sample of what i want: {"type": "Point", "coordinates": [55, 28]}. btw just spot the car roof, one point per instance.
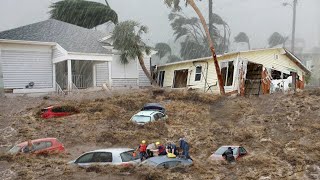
{"type": "Point", "coordinates": [153, 105]}
{"type": "Point", "coordinates": [146, 113]}
{"type": "Point", "coordinates": [232, 146]}
{"type": "Point", "coordinates": [36, 140]}
{"type": "Point", "coordinates": [161, 159]}
{"type": "Point", "coordinates": [115, 150]}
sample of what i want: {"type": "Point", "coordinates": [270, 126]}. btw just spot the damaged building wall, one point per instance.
{"type": "Point", "coordinates": [197, 73]}
{"type": "Point", "coordinates": [236, 65]}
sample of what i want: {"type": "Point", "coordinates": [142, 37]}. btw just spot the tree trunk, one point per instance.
{"type": "Point", "coordinates": [145, 70]}
{"type": "Point", "coordinates": [214, 55]}
{"type": "Point", "coordinates": [249, 45]}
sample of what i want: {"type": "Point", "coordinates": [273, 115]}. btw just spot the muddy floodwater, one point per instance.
{"type": "Point", "coordinates": [281, 133]}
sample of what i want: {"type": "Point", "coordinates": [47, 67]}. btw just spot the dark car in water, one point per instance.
{"type": "Point", "coordinates": [166, 162]}
{"type": "Point", "coordinates": [154, 107]}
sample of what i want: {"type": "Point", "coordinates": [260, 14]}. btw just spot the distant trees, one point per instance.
{"type": "Point", "coordinates": [175, 4]}
{"type": "Point", "coordinates": [276, 39]}
{"type": "Point", "coordinates": [127, 38]}
{"type": "Point", "coordinates": [242, 37]}
{"type": "Point", "coordinates": [173, 58]}
{"type": "Point", "coordinates": [83, 13]}
{"type": "Point", "coordinates": [162, 49]}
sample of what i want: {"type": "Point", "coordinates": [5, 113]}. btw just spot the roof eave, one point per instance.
{"type": "Point", "coordinates": [27, 42]}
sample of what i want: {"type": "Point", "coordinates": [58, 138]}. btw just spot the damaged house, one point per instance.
{"type": "Point", "coordinates": [252, 72]}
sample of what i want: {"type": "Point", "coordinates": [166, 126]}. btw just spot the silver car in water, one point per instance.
{"type": "Point", "coordinates": [110, 156]}
{"type": "Point", "coordinates": [144, 117]}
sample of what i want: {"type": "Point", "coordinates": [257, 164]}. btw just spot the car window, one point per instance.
{"type": "Point", "coordinates": [15, 149]}
{"type": "Point", "coordinates": [42, 145]}
{"type": "Point", "coordinates": [156, 116]}
{"type": "Point", "coordinates": [221, 150]}
{"type": "Point", "coordinates": [242, 151]}
{"type": "Point", "coordinates": [44, 110]}
{"type": "Point", "coordinates": [102, 157]}
{"type": "Point", "coordinates": [169, 164]}
{"type": "Point", "coordinates": [86, 158]}
{"type": "Point", "coordinates": [128, 156]}
{"type": "Point", "coordinates": [138, 118]}
{"type": "Point", "coordinates": [161, 115]}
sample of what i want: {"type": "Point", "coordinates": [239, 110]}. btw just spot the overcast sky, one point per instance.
{"type": "Point", "coordinates": [258, 18]}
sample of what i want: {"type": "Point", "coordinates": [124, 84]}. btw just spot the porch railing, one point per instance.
{"type": "Point", "coordinates": [59, 89]}
{"type": "Point", "coordinates": [79, 81]}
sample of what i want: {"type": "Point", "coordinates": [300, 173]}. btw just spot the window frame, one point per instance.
{"type": "Point", "coordinates": [197, 74]}
{"type": "Point", "coordinates": [77, 161]}
{"type": "Point", "coordinates": [96, 155]}
{"type": "Point", "coordinates": [227, 72]}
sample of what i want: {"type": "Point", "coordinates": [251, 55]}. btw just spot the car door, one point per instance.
{"type": "Point", "coordinates": [85, 159]}
{"type": "Point", "coordinates": [102, 158]}
{"type": "Point", "coordinates": [169, 164]}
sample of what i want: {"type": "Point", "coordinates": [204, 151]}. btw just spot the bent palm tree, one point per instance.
{"type": "Point", "coordinates": [83, 13]}
{"type": "Point", "coordinates": [163, 49]}
{"type": "Point", "coordinates": [276, 39]}
{"type": "Point", "coordinates": [242, 37]}
{"type": "Point", "coordinates": [127, 39]}
{"type": "Point", "coordinates": [176, 5]}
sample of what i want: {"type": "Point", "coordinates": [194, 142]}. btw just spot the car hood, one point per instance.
{"type": "Point", "coordinates": [216, 157]}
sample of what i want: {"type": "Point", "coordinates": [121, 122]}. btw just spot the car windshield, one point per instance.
{"type": "Point", "coordinates": [15, 149]}
{"type": "Point", "coordinates": [221, 150]}
{"type": "Point", "coordinates": [128, 156]}
{"type": "Point", "coordinates": [139, 118]}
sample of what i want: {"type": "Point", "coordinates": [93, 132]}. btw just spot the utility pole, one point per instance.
{"type": "Point", "coordinates": [294, 25]}
{"type": "Point", "coordinates": [294, 7]}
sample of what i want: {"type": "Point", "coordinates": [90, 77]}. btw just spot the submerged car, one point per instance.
{"type": "Point", "coordinates": [40, 146]}
{"type": "Point", "coordinates": [57, 111]}
{"type": "Point", "coordinates": [165, 162]}
{"type": "Point", "coordinates": [238, 152]}
{"type": "Point", "coordinates": [154, 107]}
{"type": "Point", "coordinates": [111, 156]}
{"type": "Point", "coordinates": [144, 117]}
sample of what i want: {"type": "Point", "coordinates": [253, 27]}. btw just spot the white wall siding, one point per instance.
{"type": "Point", "coordinates": [143, 79]}
{"type": "Point", "coordinates": [21, 67]}
{"type": "Point", "coordinates": [125, 82]}
{"type": "Point", "coordinates": [57, 53]}
{"type": "Point", "coordinates": [102, 74]}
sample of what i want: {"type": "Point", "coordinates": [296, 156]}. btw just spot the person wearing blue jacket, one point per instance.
{"type": "Point", "coordinates": [185, 148]}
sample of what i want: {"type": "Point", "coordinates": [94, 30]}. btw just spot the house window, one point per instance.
{"type": "Point", "coordinates": [198, 73]}
{"type": "Point", "coordinates": [227, 69]}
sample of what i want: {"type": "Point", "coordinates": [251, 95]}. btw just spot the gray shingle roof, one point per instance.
{"type": "Point", "coordinates": [71, 37]}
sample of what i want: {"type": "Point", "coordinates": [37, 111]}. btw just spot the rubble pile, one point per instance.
{"type": "Point", "coordinates": [280, 132]}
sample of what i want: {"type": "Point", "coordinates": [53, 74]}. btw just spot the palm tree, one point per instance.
{"type": "Point", "coordinates": [83, 13]}
{"type": "Point", "coordinates": [127, 39]}
{"type": "Point", "coordinates": [276, 39]}
{"type": "Point", "coordinates": [176, 5]}
{"type": "Point", "coordinates": [163, 49]}
{"type": "Point", "coordinates": [216, 19]}
{"type": "Point", "coordinates": [242, 37]}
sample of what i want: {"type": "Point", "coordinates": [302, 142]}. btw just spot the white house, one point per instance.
{"type": "Point", "coordinates": [52, 55]}
{"type": "Point", "coordinates": [254, 72]}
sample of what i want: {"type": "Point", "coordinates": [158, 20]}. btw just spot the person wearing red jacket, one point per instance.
{"type": "Point", "coordinates": [143, 150]}
{"type": "Point", "coordinates": [161, 149]}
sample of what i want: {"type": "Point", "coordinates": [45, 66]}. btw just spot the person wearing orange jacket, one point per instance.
{"type": "Point", "coordinates": [142, 150]}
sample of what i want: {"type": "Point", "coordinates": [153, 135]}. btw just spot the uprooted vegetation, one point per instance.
{"type": "Point", "coordinates": [281, 133]}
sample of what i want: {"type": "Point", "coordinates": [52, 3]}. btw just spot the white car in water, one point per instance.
{"type": "Point", "coordinates": [144, 117]}
{"type": "Point", "coordinates": [110, 156]}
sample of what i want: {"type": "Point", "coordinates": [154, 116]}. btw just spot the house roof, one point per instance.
{"type": "Point", "coordinates": [290, 55]}
{"type": "Point", "coordinates": [71, 37]}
